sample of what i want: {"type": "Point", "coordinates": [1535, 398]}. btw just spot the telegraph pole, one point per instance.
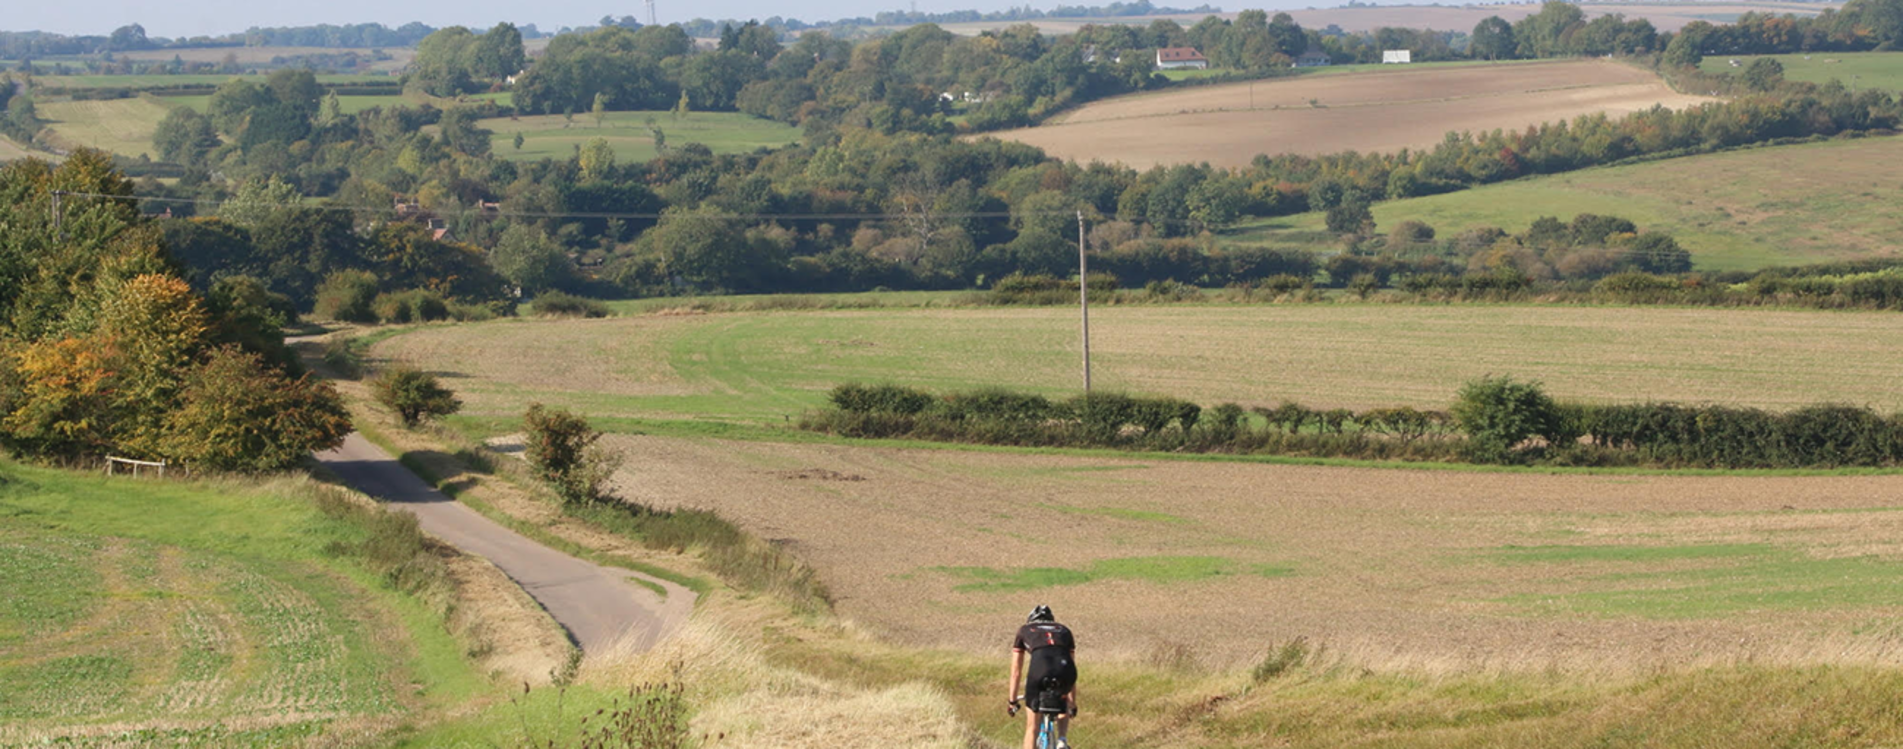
{"type": "Point", "coordinates": [56, 196]}
{"type": "Point", "coordinates": [1083, 296]}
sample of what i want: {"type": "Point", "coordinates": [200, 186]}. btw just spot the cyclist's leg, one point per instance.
{"type": "Point", "coordinates": [1030, 726]}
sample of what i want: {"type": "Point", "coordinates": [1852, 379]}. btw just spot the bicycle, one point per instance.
{"type": "Point", "coordinates": [1049, 705]}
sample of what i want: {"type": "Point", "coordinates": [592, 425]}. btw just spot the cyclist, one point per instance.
{"type": "Point", "coordinates": [1051, 648]}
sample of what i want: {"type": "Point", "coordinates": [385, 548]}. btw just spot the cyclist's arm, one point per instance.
{"type": "Point", "coordinates": [1017, 674]}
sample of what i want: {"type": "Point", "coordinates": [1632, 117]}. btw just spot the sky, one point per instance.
{"type": "Point", "coordinates": [215, 17]}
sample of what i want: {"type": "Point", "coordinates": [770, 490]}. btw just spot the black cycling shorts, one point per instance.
{"type": "Point", "coordinates": [1053, 663]}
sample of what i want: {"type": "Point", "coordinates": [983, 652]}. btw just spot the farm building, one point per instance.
{"type": "Point", "coordinates": [1313, 58]}
{"type": "Point", "coordinates": [1396, 56]}
{"type": "Point", "coordinates": [1181, 58]}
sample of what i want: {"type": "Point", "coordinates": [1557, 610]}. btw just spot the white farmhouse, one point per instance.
{"type": "Point", "coordinates": [1181, 58]}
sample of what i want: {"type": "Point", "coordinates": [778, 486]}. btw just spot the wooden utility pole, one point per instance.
{"type": "Point", "coordinates": [1083, 296]}
{"type": "Point", "coordinates": [56, 195]}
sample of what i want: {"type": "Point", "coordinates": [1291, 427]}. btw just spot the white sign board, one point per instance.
{"type": "Point", "coordinates": [1396, 56]}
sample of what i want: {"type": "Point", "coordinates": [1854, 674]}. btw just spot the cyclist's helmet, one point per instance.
{"type": "Point", "coordinates": [1040, 614]}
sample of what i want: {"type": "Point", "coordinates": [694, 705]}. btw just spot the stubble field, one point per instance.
{"type": "Point", "coordinates": [765, 366]}
{"type": "Point", "coordinates": [1215, 563]}
{"type": "Point", "coordinates": [1664, 16]}
{"type": "Point", "coordinates": [1385, 110]}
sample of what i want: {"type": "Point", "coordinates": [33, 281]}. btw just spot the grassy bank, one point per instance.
{"type": "Point", "coordinates": [223, 611]}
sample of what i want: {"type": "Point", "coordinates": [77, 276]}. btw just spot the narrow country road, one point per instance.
{"type": "Point", "coordinates": [597, 605]}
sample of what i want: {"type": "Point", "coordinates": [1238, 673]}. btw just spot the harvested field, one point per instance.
{"type": "Point", "coordinates": [1392, 568]}
{"type": "Point", "coordinates": [1381, 111]}
{"type": "Point", "coordinates": [765, 365]}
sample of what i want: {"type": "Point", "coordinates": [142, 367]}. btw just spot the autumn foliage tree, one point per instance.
{"type": "Point", "coordinates": [104, 349]}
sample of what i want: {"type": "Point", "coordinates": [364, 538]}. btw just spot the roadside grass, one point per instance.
{"type": "Point", "coordinates": [768, 368]}
{"type": "Point", "coordinates": [1744, 209]}
{"type": "Point", "coordinates": [1861, 70]}
{"type": "Point", "coordinates": [183, 605]}
{"type": "Point", "coordinates": [556, 137]}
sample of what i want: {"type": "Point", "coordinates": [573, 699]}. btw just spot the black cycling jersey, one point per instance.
{"type": "Point", "coordinates": [1039, 635]}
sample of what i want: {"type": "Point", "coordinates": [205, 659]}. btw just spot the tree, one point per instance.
{"type": "Point", "coordinates": [596, 158]}
{"type": "Point", "coordinates": [527, 258]}
{"type": "Point", "coordinates": [1764, 74]}
{"type": "Point", "coordinates": [238, 413]}
{"type": "Point", "coordinates": [346, 296]}
{"type": "Point", "coordinates": [519, 140]}
{"type": "Point", "coordinates": [414, 395]}
{"type": "Point", "coordinates": [1492, 39]}
{"type": "Point", "coordinates": [232, 103]}
{"type": "Point", "coordinates": [1654, 252]}
{"type": "Point", "coordinates": [184, 137]}
{"type": "Point", "coordinates": [1351, 217]}
{"type": "Point", "coordinates": [255, 201]}
{"type": "Point", "coordinates": [1499, 413]}
{"type": "Point", "coordinates": [600, 108]}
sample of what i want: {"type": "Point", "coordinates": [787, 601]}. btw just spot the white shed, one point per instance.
{"type": "Point", "coordinates": [1396, 56]}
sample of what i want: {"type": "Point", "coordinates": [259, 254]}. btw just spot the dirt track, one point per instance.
{"type": "Point", "coordinates": [1377, 111]}
{"type": "Point", "coordinates": [1389, 566]}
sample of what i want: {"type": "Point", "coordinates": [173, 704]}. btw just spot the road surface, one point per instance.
{"type": "Point", "coordinates": [597, 605]}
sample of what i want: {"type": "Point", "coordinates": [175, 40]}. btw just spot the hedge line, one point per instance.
{"type": "Point", "coordinates": [1493, 420]}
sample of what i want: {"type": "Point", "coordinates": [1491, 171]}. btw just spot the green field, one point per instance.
{"type": "Point", "coordinates": [162, 81]}
{"type": "Point", "coordinates": [1782, 205]}
{"type": "Point", "coordinates": [1859, 70]}
{"type": "Point", "coordinates": [555, 137]}
{"type": "Point", "coordinates": [122, 126]}
{"type": "Point", "coordinates": [201, 612]}
{"type": "Point", "coordinates": [765, 366]}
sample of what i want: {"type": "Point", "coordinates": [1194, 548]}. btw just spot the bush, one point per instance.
{"type": "Point", "coordinates": [997, 403]}
{"type": "Point", "coordinates": [414, 305]}
{"type": "Point", "coordinates": [239, 413]}
{"type": "Point", "coordinates": [346, 296]}
{"type": "Point", "coordinates": [562, 304]}
{"type": "Point", "coordinates": [414, 395]}
{"type": "Point", "coordinates": [1498, 414]}
{"type": "Point", "coordinates": [888, 399]}
{"type": "Point", "coordinates": [562, 448]}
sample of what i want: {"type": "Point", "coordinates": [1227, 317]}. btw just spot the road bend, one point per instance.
{"type": "Point", "coordinates": [599, 606]}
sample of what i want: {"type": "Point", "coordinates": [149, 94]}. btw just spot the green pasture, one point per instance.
{"type": "Point", "coordinates": [1860, 70]}
{"type": "Point", "coordinates": [195, 606]}
{"type": "Point", "coordinates": [122, 126]}
{"type": "Point", "coordinates": [557, 137]}
{"type": "Point", "coordinates": [772, 366]}
{"type": "Point", "coordinates": [1781, 205]}
{"type": "Point", "coordinates": [162, 81]}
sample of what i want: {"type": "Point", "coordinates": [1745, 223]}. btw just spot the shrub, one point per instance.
{"type": "Point", "coordinates": [414, 305]}
{"type": "Point", "coordinates": [889, 399]}
{"type": "Point", "coordinates": [997, 403]}
{"type": "Point", "coordinates": [346, 296]}
{"type": "Point", "coordinates": [1280, 660]}
{"type": "Point", "coordinates": [1498, 414]}
{"type": "Point", "coordinates": [563, 304]}
{"type": "Point", "coordinates": [562, 448]}
{"type": "Point", "coordinates": [414, 395]}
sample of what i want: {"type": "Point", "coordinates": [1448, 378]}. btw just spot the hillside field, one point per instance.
{"type": "Point", "coordinates": [156, 81]}
{"type": "Point", "coordinates": [1377, 110]}
{"type": "Point", "coordinates": [1859, 69]}
{"type": "Point", "coordinates": [769, 366]}
{"type": "Point", "coordinates": [122, 126]}
{"type": "Point", "coordinates": [557, 137]}
{"type": "Point", "coordinates": [204, 612]}
{"type": "Point", "coordinates": [1782, 205]}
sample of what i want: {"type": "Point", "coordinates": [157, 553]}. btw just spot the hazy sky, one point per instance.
{"type": "Point", "coordinates": [196, 17]}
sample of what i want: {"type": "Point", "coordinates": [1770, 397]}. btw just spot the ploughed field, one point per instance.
{"type": "Point", "coordinates": [1381, 110]}
{"type": "Point", "coordinates": [767, 366]}
{"type": "Point", "coordinates": [1160, 560]}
